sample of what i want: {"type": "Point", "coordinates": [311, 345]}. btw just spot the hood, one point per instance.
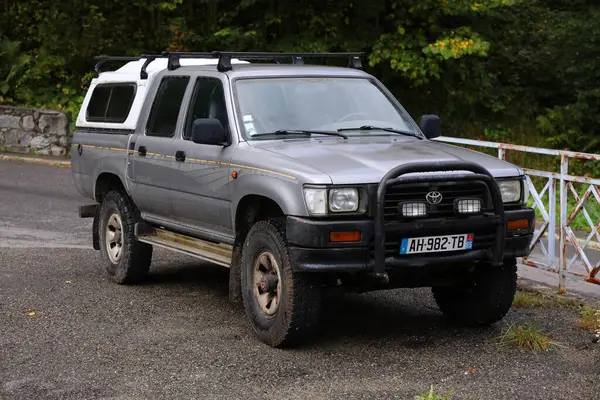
{"type": "Point", "coordinates": [367, 159]}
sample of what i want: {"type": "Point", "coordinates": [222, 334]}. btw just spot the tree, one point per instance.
{"type": "Point", "coordinates": [497, 68]}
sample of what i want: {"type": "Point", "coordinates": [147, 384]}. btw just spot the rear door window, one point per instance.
{"type": "Point", "coordinates": [167, 103]}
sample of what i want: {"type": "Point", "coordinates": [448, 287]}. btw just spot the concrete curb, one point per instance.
{"type": "Point", "coordinates": [36, 160]}
{"type": "Point", "coordinates": [542, 280]}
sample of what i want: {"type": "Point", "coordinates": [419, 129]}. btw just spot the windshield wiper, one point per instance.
{"type": "Point", "coordinates": [378, 128]}
{"type": "Point", "coordinates": [299, 132]}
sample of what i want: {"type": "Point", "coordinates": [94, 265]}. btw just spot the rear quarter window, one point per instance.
{"type": "Point", "coordinates": [111, 102]}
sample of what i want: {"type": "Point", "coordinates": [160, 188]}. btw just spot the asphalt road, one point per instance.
{"type": "Point", "coordinates": [66, 332]}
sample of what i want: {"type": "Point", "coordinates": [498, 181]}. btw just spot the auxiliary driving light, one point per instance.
{"type": "Point", "coordinates": [468, 206]}
{"type": "Point", "coordinates": [414, 209]}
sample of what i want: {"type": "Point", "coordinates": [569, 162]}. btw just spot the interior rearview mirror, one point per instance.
{"type": "Point", "coordinates": [430, 125]}
{"type": "Point", "coordinates": [209, 131]}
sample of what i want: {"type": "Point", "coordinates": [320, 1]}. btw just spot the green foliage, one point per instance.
{"type": "Point", "coordinates": [527, 337]}
{"type": "Point", "coordinates": [12, 64]}
{"type": "Point", "coordinates": [488, 67]}
{"type": "Point", "coordinates": [530, 298]}
{"type": "Point", "coordinates": [589, 318]}
{"type": "Point", "coordinates": [431, 395]}
{"type": "Point", "coordinates": [580, 222]}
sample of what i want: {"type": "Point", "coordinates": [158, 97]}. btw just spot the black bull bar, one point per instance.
{"type": "Point", "coordinates": [477, 173]}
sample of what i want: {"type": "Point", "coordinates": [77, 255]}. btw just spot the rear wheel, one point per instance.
{"type": "Point", "coordinates": [282, 305]}
{"type": "Point", "coordinates": [126, 260]}
{"type": "Point", "coordinates": [483, 298]}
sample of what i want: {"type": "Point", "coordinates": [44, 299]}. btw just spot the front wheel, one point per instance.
{"type": "Point", "coordinates": [483, 298]}
{"type": "Point", "coordinates": [282, 305]}
{"type": "Point", "coordinates": [126, 260]}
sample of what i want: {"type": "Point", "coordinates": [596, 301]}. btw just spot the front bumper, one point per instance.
{"type": "Point", "coordinates": [311, 250]}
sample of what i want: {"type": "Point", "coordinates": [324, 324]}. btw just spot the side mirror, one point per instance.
{"type": "Point", "coordinates": [430, 125]}
{"type": "Point", "coordinates": [209, 131]}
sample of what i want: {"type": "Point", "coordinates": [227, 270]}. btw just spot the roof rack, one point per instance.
{"type": "Point", "coordinates": [354, 59]}
{"type": "Point", "coordinates": [225, 57]}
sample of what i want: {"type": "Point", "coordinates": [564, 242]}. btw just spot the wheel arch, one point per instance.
{"type": "Point", "coordinates": [248, 210]}
{"type": "Point", "coordinates": [252, 208]}
{"type": "Point", "coordinates": [287, 195]}
{"type": "Point", "coordinates": [105, 182]}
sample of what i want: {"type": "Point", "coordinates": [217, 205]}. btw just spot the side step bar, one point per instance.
{"type": "Point", "coordinates": [216, 253]}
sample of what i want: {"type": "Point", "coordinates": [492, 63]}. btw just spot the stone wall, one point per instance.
{"type": "Point", "coordinates": [34, 131]}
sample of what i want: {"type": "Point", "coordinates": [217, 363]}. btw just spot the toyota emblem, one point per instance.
{"type": "Point", "coordinates": [433, 197]}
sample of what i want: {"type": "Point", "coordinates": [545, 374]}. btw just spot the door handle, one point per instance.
{"type": "Point", "coordinates": [180, 155]}
{"type": "Point", "coordinates": [142, 151]}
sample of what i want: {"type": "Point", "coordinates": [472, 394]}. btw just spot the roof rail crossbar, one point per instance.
{"type": "Point", "coordinates": [354, 59]}
{"type": "Point", "coordinates": [104, 59]}
{"type": "Point", "coordinates": [174, 57]}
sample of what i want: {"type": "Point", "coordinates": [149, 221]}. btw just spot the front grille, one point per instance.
{"type": "Point", "coordinates": [417, 192]}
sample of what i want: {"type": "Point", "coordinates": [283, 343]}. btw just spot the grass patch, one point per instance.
{"type": "Point", "coordinates": [589, 318]}
{"type": "Point", "coordinates": [530, 299]}
{"type": "Point", "coordinates": [431, 395]}
{"type": "Point", "coordinates": [526, 337]}
{"type": "Point", "coordinates": [527, 299]}
{"type": "Point", "coordinates": [593, 209]}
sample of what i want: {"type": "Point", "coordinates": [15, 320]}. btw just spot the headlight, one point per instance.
{"type": "Point", "coordinates": [510, 190]}
{"type": "Point", "coordinates": [320, 201]}
{"type": "Point", "coordinates": [316, 201]}
{"type": "Point", "coordinates": [343, 200]}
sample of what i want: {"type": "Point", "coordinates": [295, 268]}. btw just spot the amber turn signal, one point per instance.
{"type": "Point", "coordinates": [344, 236]}
{"type": "Point", "coordinates": [518, 224]}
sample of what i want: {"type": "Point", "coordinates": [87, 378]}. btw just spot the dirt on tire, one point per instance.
{"type": "Point", "coordinates": [136, 257]}
{"type": "Point", "coordinates": [298, 311]}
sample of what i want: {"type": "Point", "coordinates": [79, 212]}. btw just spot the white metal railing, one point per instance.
{"type": "Point", "coordinates": [577, 260]}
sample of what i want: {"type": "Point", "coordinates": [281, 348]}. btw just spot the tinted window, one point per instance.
{"type": "Point", "coordinates": [208, 101]}
{"type": "Point", "coordinates": [97, 106]}
{"type": "Point", "coordinates": [111, 103]}
{"type": "Point", "coordinates": [120, 103]}
{"type": "Point", "coordinates": [165, 109]}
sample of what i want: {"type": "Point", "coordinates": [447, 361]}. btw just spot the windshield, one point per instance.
{"type": "Point", "coordinates": [317, 104]}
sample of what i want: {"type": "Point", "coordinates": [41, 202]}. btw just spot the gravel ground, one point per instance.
{"type": "Point", "coordinates": [178, 336]}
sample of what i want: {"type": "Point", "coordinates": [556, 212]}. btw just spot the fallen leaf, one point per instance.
{"type": "Point", "coordinates": [31, 314]}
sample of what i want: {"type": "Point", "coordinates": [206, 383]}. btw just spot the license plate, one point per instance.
{"type": "Point", "coordinates": [433, 244]}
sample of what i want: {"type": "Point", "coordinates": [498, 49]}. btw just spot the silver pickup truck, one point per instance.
{"type": "Point", "coordinates": [298, 178]}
